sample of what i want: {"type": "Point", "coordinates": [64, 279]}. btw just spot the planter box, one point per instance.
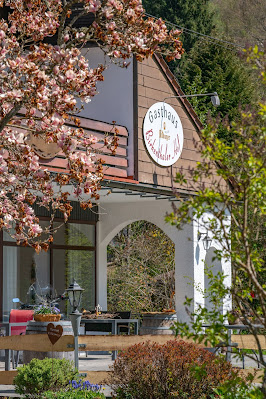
{"type": "Point", "coordinates": [157, 323]}
{"type": "Point", "coordinates": [47, 317]}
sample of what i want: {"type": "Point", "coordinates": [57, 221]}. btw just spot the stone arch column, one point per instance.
{"type": "Point", "coordinates": [204, 258]}
{"type": "Point", "coordinates": [218, 266]}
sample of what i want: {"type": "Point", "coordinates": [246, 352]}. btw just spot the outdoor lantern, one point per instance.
{"type": "Point", "coordinates": [74, 292]}
{"type": "Point", "coordinates": [207, 242]}
{"type": "Point", "coordinates": [214, 97]}
{"type": "Point", "coordinates": [215, 100]}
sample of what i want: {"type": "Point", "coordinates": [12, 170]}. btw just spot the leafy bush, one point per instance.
{"type": "Point", "coordinates": [43, 375]}
{"type": "Point", "coordinates": [242, 393]}
{"type": "Point", "coordinates": [73, 395]}
{"type": "Point", "coordinates": [174, 370]}
{"type": "Point", "coordinates": [238, 389]}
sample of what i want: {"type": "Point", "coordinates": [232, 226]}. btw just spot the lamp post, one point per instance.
{"type": "Point", "coordinates": [74, 292]}
{"type": "Point", "coordinates": [214, 97]}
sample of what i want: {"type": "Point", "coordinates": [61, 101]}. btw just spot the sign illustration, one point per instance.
{"type": "Point", "coordinates": [54, 332]}
{"type": "Point", "coordinates": [163, 134]}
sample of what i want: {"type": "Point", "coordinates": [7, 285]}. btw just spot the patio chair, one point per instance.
{"type": "Point", "coordinates": [19, 316]}
{"type": "Point", "coordinates": [123, 327]}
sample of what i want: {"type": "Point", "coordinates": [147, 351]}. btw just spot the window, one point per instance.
{"type": "Point", "coordinates": [29, 276]}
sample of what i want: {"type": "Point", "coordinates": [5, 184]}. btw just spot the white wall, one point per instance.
{"type": "Point", "coordinates": [205, 259]}
{"type": "Point", "coordinates": [118, 215]}
{"type": "Point", "coordinates": [190, 254]}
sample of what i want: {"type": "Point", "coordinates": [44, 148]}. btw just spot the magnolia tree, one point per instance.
{"type": "Point", "coordinates": [41, 84]}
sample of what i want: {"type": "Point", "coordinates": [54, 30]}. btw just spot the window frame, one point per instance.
{"type": "Point", "coordinates": [52, 246]}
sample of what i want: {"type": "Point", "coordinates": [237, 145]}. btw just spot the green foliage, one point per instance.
{"type": "Point", "coordinates": [242, 21]}
{"type": "Point", "coordinates": [73, 394]}
{"type": "Point", "coordinates": [46, 309]}
{"type": "Point", "coordinates": [210, 316]}
{"type": "Point", "coordinates": [42, 375]}
{"type": "Point", "coordinates": [240, 390]}
{"type": "Point", "coordinates": [174, 370]}
{"type": "Point", "coordinates": [210, 67]}
{"type": "Point", "coordinates": [257, 59]}
{"type": "Point", "coordinates": [140, 269]}
{"type": "Point", "coordinates": [194, 15]}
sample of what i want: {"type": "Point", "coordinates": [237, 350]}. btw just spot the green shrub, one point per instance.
{"type": "Point", "coordinates": [238, 389]}
{"type": "Point", "coordinates": [73, 395]}
{"type": "Point", "coordinates": [43, 375]}
{"type": "Point", "coordinates": [174, 370]}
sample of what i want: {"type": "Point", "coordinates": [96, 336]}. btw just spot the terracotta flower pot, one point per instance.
{"type": "Point", "coordinates": [47, 317]}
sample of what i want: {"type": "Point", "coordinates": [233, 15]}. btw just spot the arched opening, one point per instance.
{"type": "Point", "coordinates": [140, 269]}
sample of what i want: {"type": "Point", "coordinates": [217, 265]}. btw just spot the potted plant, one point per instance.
{"type": "Point", "coordinates": [45, 312]}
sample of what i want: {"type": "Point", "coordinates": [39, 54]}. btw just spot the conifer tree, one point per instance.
{"type": "Point", "coordinates": [193, 15]}
{"type": "Point", "coordinates": [208, 65]}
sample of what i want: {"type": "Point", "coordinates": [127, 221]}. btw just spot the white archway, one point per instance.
{"type": "Point", "coordinates": [118, 215]}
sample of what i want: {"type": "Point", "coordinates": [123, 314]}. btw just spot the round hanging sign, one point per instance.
{"type": "Point", "coordinates": [163, 134]}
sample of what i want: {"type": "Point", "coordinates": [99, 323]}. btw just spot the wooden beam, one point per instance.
{"type": "Point", "coordinates": [97, 377]}
{"type": "Point", "coordinates": [6, 377]}
{"type": "Point", "coordinates": [100, 377]}
{"type": "Point", "coordinates": [103, 377]}
{"type": "Point", "coordinates": [36, 343]}
{"type": "Point", "coordinates": [121, 342]}
{"type": "Point", "coordinates": [248, 341]}
{"type": "Point", "coordinates": [258, 373]}
{"type": "Point", "coordinates": [101, 126]}
{"type": "Point", "coordinates": [41, 342]}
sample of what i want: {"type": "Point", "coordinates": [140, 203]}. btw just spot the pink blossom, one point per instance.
{"type": "Point", "coordinates": [56, 70]}
{"type": "Point", "coordinates": [47, 80]}
{"type": "Point", "coordinates": [111, 25]}
{"type": "Point", "coordinates": [116, 54]}
{"type": "Point", "coordinates": [93, 5]}
{"type": "Point", "coordinates": [108, 12]}
{"type": "Point", "coordinates": [20, 197]}
{"type": "Point", "coordinates": [130, 13]}
{"type": "Point", "coordinates": [77, 191]}
{"type": "Point", "coordinates": [36, 229]}
{"type": "Point", "coordinates": [62, 79]}
{"type": "Point", "coordinates": [70, 74]}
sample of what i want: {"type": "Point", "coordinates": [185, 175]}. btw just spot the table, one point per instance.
{"type": "Point", "coordinates": [113, 322]}
{"type": "Point", "coordinates": [7, 327]}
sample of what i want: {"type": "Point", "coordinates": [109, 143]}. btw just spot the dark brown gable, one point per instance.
{"type": "Point", "coordinates": [155, 83]}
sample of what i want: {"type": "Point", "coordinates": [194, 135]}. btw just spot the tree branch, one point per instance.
{"type": "Point", "coordinates": [9, 116]}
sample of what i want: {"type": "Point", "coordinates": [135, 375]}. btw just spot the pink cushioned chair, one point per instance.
{"type": "Point", "coordinates": [19, 316]}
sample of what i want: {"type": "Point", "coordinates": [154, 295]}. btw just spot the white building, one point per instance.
{"type": "Point", "coordinates": [141, 188]}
